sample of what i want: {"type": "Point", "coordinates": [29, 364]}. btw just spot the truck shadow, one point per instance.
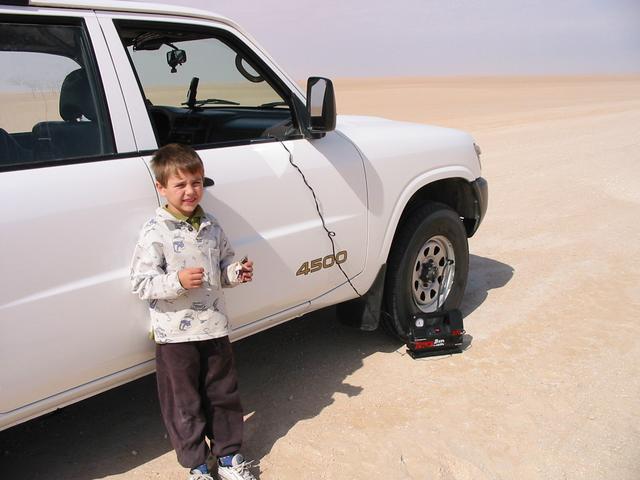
{"type": "Point", "coordinates": [287, 374]}
{"type": "Point", "coordinates": [484, 274]}
{"type": "Point", "coordinates": [293, 374]}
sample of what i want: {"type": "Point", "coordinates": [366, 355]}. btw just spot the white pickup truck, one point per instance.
{"type": "Point", "coordinates": [88, 91]}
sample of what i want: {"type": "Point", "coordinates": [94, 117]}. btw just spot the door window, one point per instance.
{"type": "Point", "coordinates": [202, 88]}
{"type": "Point", "coordinates": [51, 104]}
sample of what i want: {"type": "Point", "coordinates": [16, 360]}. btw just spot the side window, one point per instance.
{"type": "Point", "coordinates": [51, 106]}
{"type": "Point", "coordinates": [201, 88]}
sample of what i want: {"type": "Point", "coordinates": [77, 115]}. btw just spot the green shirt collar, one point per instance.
{"type": "Point", "coordinates": [194, 220]}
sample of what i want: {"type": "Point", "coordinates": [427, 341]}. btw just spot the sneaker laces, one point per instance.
{"type": "Point", "coordinates": [242, 469]}
{"type": "Point", "coordinates": [198, 475]}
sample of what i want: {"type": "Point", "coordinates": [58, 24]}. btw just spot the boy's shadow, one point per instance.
{"type": "Point", "coordinates": [287, 374]}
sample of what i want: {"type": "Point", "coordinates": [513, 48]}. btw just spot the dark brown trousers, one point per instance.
{"type": "Point", "coordinates": [198, 391]}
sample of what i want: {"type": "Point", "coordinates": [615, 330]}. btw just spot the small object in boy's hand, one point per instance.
{"type": "Point", "coordinates": [240, 269]}
{"type": "Point", "coordinates": [244, 270]}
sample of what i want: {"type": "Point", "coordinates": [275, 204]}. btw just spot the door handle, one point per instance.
{"type": "Point", "coordinates": [208, 182]}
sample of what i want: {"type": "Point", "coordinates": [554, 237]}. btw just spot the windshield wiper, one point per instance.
{"type": "Point", "coordinates": [279, 103]}
{"type": "Point", "coordinates": [210, 101]}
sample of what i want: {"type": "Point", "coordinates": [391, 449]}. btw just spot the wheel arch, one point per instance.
{"type": "Point", "coordinates": [456, 193]}
{"type": "Point", "coordinates": [453, 190]}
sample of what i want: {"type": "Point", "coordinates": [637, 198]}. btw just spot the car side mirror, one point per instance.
{"type": "Point", "coordinates": [176, 57]}
{"type": "Point", "coordinates": [321, 105]}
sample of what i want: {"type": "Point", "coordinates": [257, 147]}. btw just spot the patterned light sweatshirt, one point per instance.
{"type": "Point", "coordinates": [167, 245]}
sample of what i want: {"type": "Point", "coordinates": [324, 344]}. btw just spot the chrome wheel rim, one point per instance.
{"type": "Point", "coordinates": [433, 272]}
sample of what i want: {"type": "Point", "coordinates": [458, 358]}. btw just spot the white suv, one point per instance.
{"type": "Point", "coordinates": [89, 91]}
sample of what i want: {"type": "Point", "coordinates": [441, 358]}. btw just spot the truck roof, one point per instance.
{"type": "Point", "coordinates": [138, 7]}
{"type": "Point", "coordinates": [129, 6]}
{"type": "Point", "coordinates": [150, 8]}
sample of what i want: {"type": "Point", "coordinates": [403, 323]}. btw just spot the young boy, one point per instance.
{"type": "Point", "coordinates": [181, 261]}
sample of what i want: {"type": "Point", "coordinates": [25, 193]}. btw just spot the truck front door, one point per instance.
{"type": "Point", "coordinates": [227, 103]}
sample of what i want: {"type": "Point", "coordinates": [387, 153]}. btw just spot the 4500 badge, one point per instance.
{"type": "Point", "coordinates": [318, 264]}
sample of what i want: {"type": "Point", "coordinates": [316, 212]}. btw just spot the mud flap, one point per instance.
{"type": "Point", "coordinates": [364, 312]}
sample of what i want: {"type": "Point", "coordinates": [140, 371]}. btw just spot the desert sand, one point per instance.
{"type": "Point", "coordinates": [548, 386]}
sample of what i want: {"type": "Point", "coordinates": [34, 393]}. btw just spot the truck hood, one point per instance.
{"type": "Point", "coordinates": [382, 140]}
{"type": "Point", "coordinates": [355, 121]}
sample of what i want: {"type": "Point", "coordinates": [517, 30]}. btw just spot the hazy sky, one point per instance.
{"type": "Point", "coordinates": [445, 37]}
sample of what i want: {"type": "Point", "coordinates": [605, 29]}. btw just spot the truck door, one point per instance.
{"type": "Point", "coordinates": [73, 194]}
{"type": "Point", "coordinates": [227, 103]}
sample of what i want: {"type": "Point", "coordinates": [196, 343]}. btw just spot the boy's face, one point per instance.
{"type": "Point", "coordinates": [183, 191]}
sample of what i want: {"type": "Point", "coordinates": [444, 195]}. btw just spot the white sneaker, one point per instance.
{"type": "Point", "coordinates": [198, 475]}
{"type": "Point", "coordinates": [239, 469]}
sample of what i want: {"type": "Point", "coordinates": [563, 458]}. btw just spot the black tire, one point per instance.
{"type": "Point", "coordinates": [430, 225]}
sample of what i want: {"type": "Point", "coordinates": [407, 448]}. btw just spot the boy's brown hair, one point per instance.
{"type": "Point", "coordinates": [173, 158]}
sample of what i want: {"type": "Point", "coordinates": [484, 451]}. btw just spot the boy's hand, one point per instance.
{"type": "Point", "coordinates": [191, 278]}
{"type": "Point", "coordinates": [246, 274]}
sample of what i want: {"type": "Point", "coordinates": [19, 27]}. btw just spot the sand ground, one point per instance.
{"type": "Point", "coordinates": [549, 385]}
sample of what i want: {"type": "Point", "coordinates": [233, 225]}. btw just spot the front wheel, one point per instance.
{"type": "Point", "coordinates": [428, 266]}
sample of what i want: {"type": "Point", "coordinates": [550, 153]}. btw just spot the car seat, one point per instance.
{"type": "Point", "coordinates": [75, 136]}
{"type": "Point", "coordinates": [11, 152]}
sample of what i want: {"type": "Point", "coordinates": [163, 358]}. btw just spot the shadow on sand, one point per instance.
{"type": "Point", "coordinates": [484, 274]}
{"type": "Point", "coordinates": [287, 374]}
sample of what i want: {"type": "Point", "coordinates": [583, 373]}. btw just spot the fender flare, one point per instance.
{"type": "Point", "coordinates": [448, 172]}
